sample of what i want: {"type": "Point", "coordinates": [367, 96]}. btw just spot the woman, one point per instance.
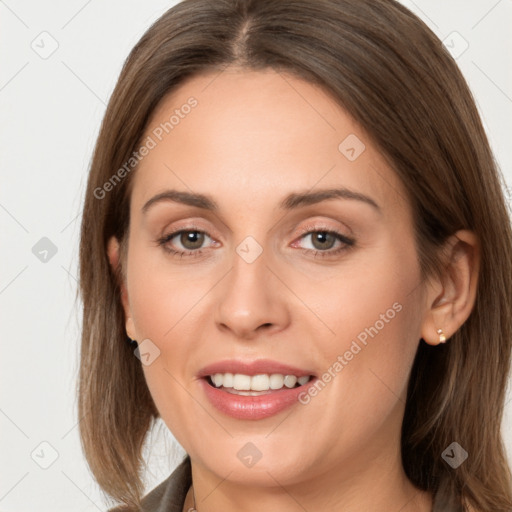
{"type": "Point", "coordinates": [295, 251]}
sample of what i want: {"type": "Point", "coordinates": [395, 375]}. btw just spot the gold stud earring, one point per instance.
{"type": "Point", "coordinates": [442, 337]}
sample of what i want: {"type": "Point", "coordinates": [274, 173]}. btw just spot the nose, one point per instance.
{"type": "Point", "coordinates": [252, 300]}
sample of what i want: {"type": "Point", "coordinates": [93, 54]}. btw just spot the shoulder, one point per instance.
{"type": "Point", "coordinates": [169, 495]}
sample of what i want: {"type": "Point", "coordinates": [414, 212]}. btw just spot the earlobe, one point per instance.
{"type": "Point", "coordinates": [439, 325]}
{"type": "Point", "coordinates": [451, 298]}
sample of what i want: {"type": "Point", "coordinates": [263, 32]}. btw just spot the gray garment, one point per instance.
{"type": "Point", "coordinates": [169, 496]}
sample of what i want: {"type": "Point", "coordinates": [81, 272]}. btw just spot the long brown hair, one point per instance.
{"type": "Point", "coordinates": [390, 72]}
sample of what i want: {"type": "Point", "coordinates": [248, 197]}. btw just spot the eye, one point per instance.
{"type": "Point", "coordinates": [323, 241]}
{"type": "Point", "coordinates": [190, 242]}
{"type": "Point", "coordinates": [185, 242]}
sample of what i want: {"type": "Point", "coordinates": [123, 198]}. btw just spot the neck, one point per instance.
{"type": "Point", "coordinates": [377, 489]}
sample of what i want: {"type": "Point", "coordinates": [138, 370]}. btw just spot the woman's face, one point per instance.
{"type": "Point", "coordinates": [274, 274]}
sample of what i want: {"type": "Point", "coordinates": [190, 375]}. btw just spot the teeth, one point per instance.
{"type": "Point", "coordinates": [290, 381]}
{"type": "Point", "coordinates": [227, 380]}
{"type": "Point", "coordinates": [261, 382]}
{"type": "Point", "coordinates": [241, 382]}
{"type": "Point", "coordinates": [276, 381]}
{"type": "Point", "coordinates": [217, 380]}
{"type": "Point", "coordinates": [303, 380]}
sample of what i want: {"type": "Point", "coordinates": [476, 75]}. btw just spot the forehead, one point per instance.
{"type": "Point", "coordinates": [263, 132]}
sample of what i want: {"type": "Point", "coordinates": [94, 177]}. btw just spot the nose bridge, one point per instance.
{"type": "Point", "coordinates": [249, 297]}
{"type": "Point", "coordinates": [250, 265]}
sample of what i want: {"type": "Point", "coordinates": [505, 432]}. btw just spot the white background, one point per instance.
{"type": "Point", "coordinates": [51, 110]}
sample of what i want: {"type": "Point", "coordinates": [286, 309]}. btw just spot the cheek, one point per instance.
{"type": "Point", "coordinates": [166, 307]}
{"type": "Point", "coordinates": [163, 312]}
{"type": "Point", "coordinates": [367, 354]}
{"type": "Point", "coordinates": [369, 320]}
{"type": "Point", "coordinates": [163, 294]}
{"type": "Point", "coordinates": [370, 300]}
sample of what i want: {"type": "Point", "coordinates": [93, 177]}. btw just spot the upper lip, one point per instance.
{"type": "Point", "coordinates": [255, 367]}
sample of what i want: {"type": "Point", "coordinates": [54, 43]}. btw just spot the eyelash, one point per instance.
{"type": "Point", "coordinates": [347, 241]}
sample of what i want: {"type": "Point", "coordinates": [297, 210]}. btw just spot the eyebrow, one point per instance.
{"type": "Point", "coordinates": [290, 202]}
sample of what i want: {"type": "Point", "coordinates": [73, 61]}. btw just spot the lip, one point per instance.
{"type": "Point", "coordinates": [255, 367]}
{"type": "Point", "coordinates": [253, 407]}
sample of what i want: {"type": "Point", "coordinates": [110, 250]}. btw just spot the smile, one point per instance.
{"type": "Point", "coordinates": [254, 396]}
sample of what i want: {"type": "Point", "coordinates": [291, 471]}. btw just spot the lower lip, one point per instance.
{"type": "Point", "coordinates": [254, 407]}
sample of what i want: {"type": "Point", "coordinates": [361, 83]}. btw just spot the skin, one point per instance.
{"type": "Point", "coordinates": [264, 135]}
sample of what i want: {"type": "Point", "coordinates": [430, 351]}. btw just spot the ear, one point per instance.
{"type": "Point", "coordinates": [114, 257]}
{"type": "Point", "coordinates": [450, 298]}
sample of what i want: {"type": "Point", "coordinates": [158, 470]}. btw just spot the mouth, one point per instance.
{"type": "Point", "coordinates": [254, 390]}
